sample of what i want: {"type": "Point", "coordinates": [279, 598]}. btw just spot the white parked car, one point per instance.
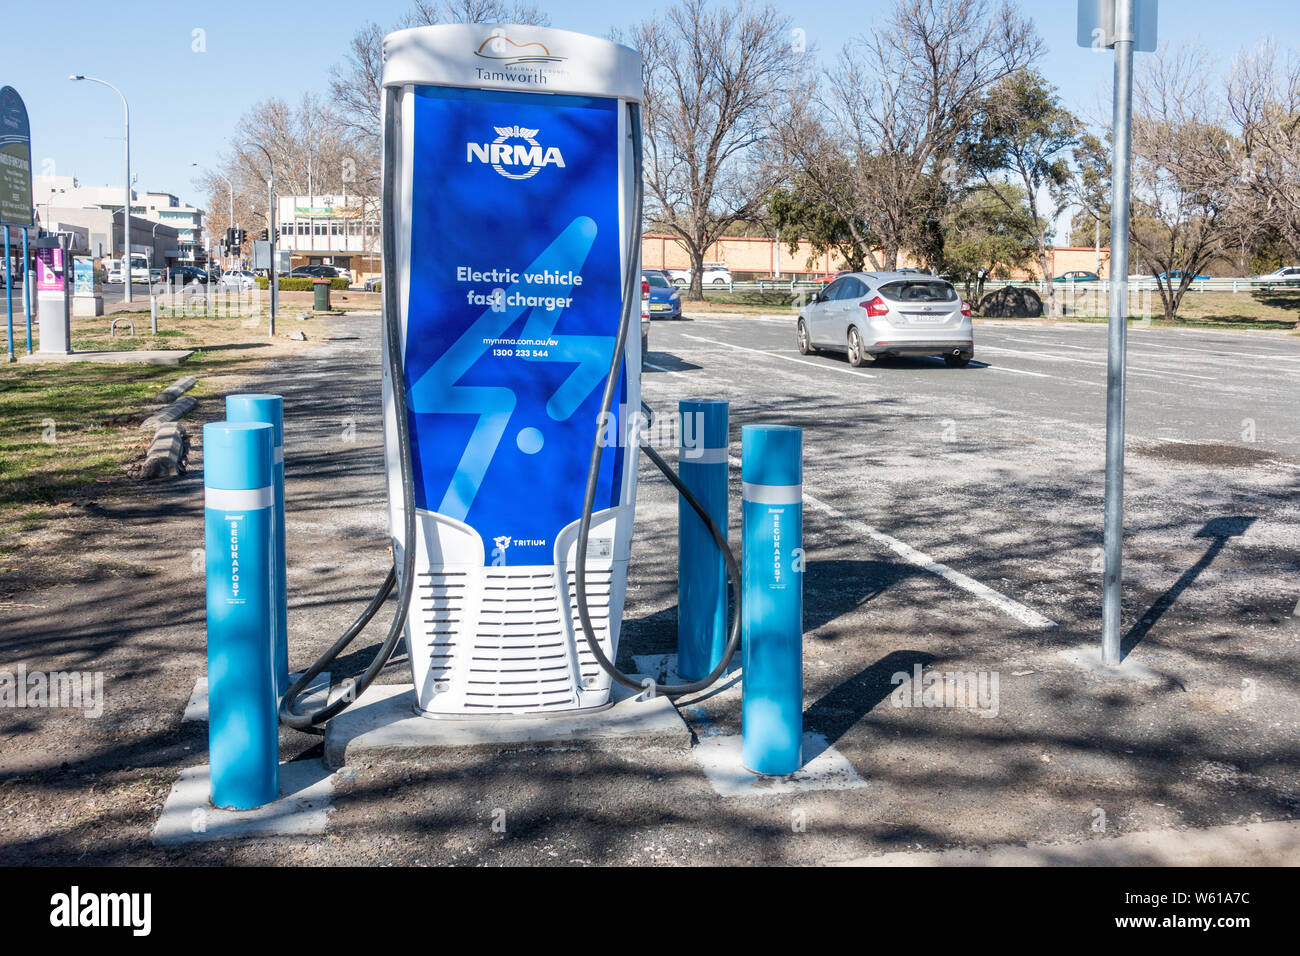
{"type": "Point", "coordinates": [869, 315]}
{"type": "Point", "coordinates": [1285, 274]}
{"type": "Point", "coordinates": [715, 273]}
{"type": "Point", "coordinates": [237, 279]}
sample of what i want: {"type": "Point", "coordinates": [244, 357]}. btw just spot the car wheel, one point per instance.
{"type": "Point", "coordinates": [858, 355]}
{"type": "Point", "coordinates": [956, 361]}
{"type": "Point", "coordinates": [805, 344]}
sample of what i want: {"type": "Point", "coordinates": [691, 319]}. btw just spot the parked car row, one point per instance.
{"type": "Point", "coordinates": [664, 299]}
{"type": "Point", "coordinates": [715, 273]}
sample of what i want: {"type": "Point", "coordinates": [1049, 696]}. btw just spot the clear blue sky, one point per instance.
{"type": "Point", "coordinates": [184, 104]}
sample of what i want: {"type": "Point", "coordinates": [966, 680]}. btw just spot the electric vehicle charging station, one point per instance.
{"type": "Point", "coordinates": [512, 205]}
{"type": "Point", "coordinates": [510, 152]}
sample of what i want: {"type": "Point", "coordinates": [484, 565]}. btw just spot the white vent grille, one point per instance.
{"type": "Point", "coordinates": [441, 600]}
{"type": "Point", "coordinates": [520, 658]}
{"type": "Point", "coordinates": [598, 595]}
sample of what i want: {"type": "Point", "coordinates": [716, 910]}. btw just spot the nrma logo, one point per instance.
{"type": "Point", "coordinates": [514, 154]}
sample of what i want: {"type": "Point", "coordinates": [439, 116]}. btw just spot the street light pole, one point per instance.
{"type": "Point", "coordinates": [274, 280]}
{"type": "Point", "coordinates": [231, 184]}
{"type": "Point", "coordinates": [1121, 183]}
{"type": "Point", "coordinates": [126, 209]}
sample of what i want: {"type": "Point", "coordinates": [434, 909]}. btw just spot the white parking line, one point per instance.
{"type": "Point", "coordinates": [1023, 614]}
{"type": "Point", "coordinates": [778, 355]}
{"type": "Point", "coordinates": [1133, 369]}
{"type": "Point", "coordinates": [1018, 371]}
{"type": "Point", "coordinates": [1254, 355]}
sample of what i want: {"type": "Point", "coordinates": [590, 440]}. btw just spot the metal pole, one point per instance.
{"type": "Point", "coordinates": [273, 280]}
{"type": "Point", "coordinates": [126, 210]}
{"type": "Point", "coordinates": [1121, 177]}
{"type": "Point", "coordinates": [9, 294]}
{"type": "Point", "coordinates": [270, 234]}
{"type": "Point", "coordinates": [27, 291]}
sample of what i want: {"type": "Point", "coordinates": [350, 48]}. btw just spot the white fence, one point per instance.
{"type": "Point", "coordinates": [791, 286]}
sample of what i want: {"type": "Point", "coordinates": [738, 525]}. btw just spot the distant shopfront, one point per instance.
{"type": "Point", "coordinates": [340, 231]}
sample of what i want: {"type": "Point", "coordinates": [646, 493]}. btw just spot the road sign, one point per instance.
{"type": "Point", "coordinates": [262, 254]}
{"type": "Point", "coordinates": [1098, 28]}
{"type": "Point", "coordinates": [15, 160]}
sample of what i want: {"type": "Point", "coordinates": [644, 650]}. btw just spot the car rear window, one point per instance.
{"type": "Point", "coordinates": [918, 291]}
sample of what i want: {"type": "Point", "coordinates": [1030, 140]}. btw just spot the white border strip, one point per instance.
{"type": "Point", "coordinates": [222, 499]}
{"type": "Point", "coordinates": [772, 494]}
{"type": "Point", "coordinates": [702, 456]}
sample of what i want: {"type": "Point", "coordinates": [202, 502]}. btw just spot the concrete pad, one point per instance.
{"type": "Point", "coordinates": [122, 357]}
{"type": "Point", "coordinates": [1089, 659]}
{"type": "Point", "coordinates": [316, 696]}
{"type": "Point", "coordinates": [663, 668]}
{"type": "Point", "coordinates": [303, 808]}
{"type": "Point", "coordinates": [825, 768]}
{"type": "Point", "coordinates": [1254, 844]}
{"type": "Point", "coordinates": [383, 726]}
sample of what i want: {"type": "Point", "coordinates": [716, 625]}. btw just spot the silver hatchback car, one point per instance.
{"type": "Point", "coordinates": [872, 314]}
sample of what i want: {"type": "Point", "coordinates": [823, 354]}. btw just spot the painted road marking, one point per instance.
{"type": "Point", "coordinates": [778, 355]}
{"type": "Point", "coordinates": [1018, 371]}
{"type": "Point", "coordinates": [1049, 357]}
{"type": "Point", "coordinates": [1023, 614]}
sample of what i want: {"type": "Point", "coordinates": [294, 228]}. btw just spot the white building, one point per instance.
{"type": "Point", "coordinates": [55, 196]}
{"type": "Point", "coordinates": [340, 230]}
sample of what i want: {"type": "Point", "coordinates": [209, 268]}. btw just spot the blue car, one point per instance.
{"type": "Point", "coordinates": [665, 300]}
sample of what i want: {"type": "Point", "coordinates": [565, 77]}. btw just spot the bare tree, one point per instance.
{"type": "Point", "coordinates": [880, 142]}
{"type": "Point", "coordinates": [355, 82]}
{"type": "Point", "coordinates": [712, 78]}
{"type": "Point", "coordinates": [1263, 93]}
{"type": "Point", "coordinates": [302, 138]}
{"type": "Point", "coordinates": [1184, 165]}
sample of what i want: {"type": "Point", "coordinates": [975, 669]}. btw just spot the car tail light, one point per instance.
{"type": "Point", "coordinates": [645, 288]}
{"type": "Point", "coordinates": [875, 307]}
{"type": "Point", "coordinates": [966, 309]}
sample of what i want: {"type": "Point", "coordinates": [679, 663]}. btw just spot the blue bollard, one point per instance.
{"type": "Point", "coordinates": [701, 572]}
{"type": "Point", "coordinates": [243, 730]}
{"type": "Point", "coordinates": [270, 409]}
{"type": "Point", "coordinates": [772, 619]}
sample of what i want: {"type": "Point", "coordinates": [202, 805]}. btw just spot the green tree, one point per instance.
{"type": "Point", "coordinates": [983, 238]}
{"type": "Point", "coordinates": [1024, 135]}
{"type": "Point", "coordinates": [798, 212]}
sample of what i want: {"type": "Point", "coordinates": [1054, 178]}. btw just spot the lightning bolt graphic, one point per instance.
{"type": "Point", "coordinates": [437, 389]}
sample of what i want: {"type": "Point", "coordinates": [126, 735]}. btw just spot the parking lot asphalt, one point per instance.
{"type": "Point", "coordinates": [952, 523]}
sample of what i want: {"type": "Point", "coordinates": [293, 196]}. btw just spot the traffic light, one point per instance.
{"type": "Point", "coordinates": [230, 237]}
{"type": "Point", "coordinates": [237, 239]}
{"type": "Point", "coordinates": [264, 236]}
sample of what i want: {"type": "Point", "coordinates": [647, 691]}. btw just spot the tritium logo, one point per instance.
{"type": "Point", "coordinates": [516, 148]}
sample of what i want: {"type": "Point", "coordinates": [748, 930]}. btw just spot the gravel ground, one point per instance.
{"type": "Point", "coordinates": [995, 471]}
